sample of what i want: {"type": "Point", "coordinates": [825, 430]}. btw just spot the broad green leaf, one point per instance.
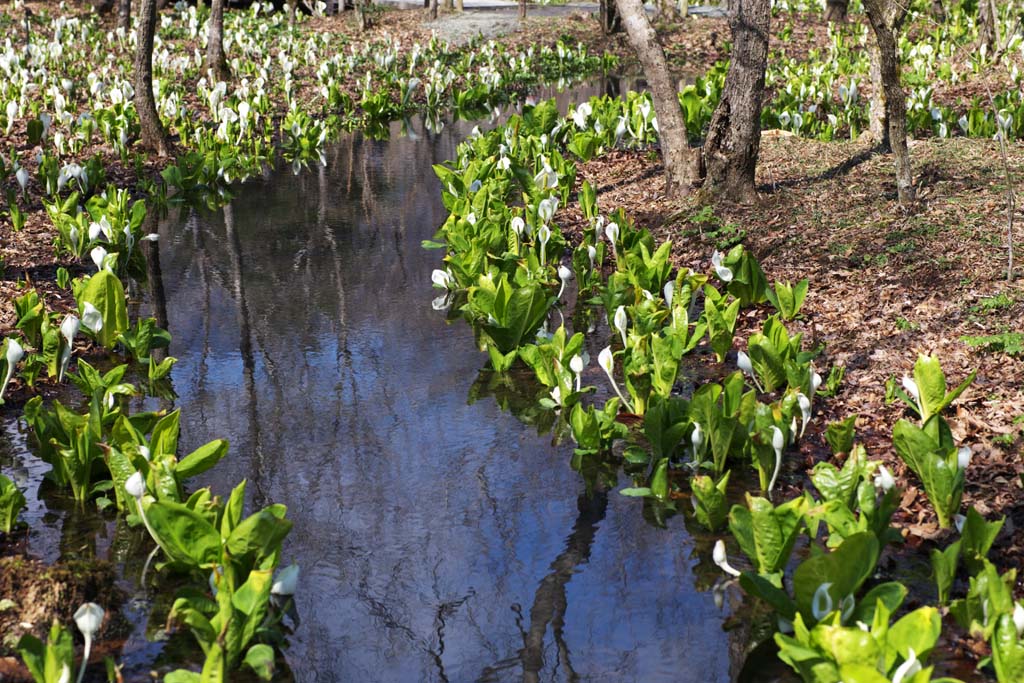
{"type": "Point", "coordinates": [977, 538]}
{"type": "Point", "coordinates": [185, 535]}
{"type": "Point", "coordinates": [1007, 651]}
{"type": "Point", "coordinates": [106, 293]}
{"type": "Point", "coordinates": [918, 630]}
{"type": "Point", "coordinates": [260, 658]}
{"type": "Point", "coordinates": [845, 568]}
{"type": "Point", "coordinates": [201, 459]}
{"type": "Point", "coordinates": [766, 533]}
{"type": "Point", "coordinates": [839, 435]}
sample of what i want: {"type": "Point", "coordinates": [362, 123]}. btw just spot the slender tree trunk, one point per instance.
{"type": "Point", "coordinates": [836, 10]}
{"type": "Point", "coordinates": [433, 9]}
{"type": "Point", "coordinates": [734, 136]}
{"type": "Point", "coordinates": [988, 24]}
{"type": "Point", "coordinates": [522, 9]}
{"type": "Point", "coordinates": [215, 60]}
{"type": "Point", "coordinates": [876, 110]}
{"type": "Point", "coordinates": [292, 6]}
{"type": "Point", "coordinates": [360, 14]}
{"type": "Point", "coordinates": [610, 20]}
{"type": "Point", "coordinates": [449, 5]}
{"type": "Point", "coordinates": [886, 17]}
{"type": "Point", "coordinates": [124, 14]}
{"type": "Point", "coordinates": [153, 135]}
{"type": "Point", "coordinates": [682, 164]}
{"type": "Point", "coordinates": [459, 6]}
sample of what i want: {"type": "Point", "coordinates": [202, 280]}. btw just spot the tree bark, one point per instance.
{"type": "Point", "coordinates": [360, 14]}
{"type": "Point", "coordinates": [153, 135]}
{"type": "Point", "coordinates": [292, 6]}
{"type": "Point", "coordinates": [876, 110]}
{"type": "Point", "coordinates": [682, 164]}
{"type": "Point", "coordinates": [215, 60]}
{"type": "Point", "coordinates": [734, 136]}
{"type": "Point", "coordinates": [124, 14]}
{"type": "Point", "coordinates": [449, 5]}
{"type": "Point", "coordinates": [836, 10]}
{"type": "Point", "coordinates": [610, 20]}
{"type": "Point", "coordinates": [433, 8]}
{"type": "Point", "coordinates": [988, 25]}
{"type": "Point", "coordinates": [522, 9]}
{"type": "Point", "coordinates": [938, 11]}
{"type": "Point", "coordinates": [886, 17]}
{"type": "Point", "coordinates": [459, 6]}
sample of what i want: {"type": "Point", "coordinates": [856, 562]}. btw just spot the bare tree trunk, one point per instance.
{"type": "Point", "coordinates": [522, 9]}
{"type": "Point", "coordinates": [836, 10]}
{"type": "Point", "coordinates": [988, 24]}
{"type": "Point", "coordinates": [734, 136]}
{"type": "Point", "coordinates": [938, 11]}
{"type": "Point", "coordinates": [153, 135]}
{"type": "Point", "coordinates": [886, 17]}
{"type": "Point", "coordinates": [215, 60]}
{"type": "Point", "coordinates": [459, 6]}
{"type": "Point", "coordinates": [433, 8]}
{"type": "Point", "coordinates": [292, 6]}
{"type": "Point", "coordinates": [449, 5]}
{"type": "Point", "coordinates": [876, 110]}
{"type": "Point", "coordinates": [682, 164]}
{"type": "Point", "coordinates": [124, 14]}
{"type": "Point", "coordinates": [360, 14]}
{"type": "Point", "coordinates": [610, 20]}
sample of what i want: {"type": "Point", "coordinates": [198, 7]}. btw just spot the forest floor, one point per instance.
{"type": "Point", "coordinates": [885, 284]}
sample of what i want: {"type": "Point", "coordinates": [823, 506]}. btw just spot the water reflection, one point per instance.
{"type": "Point", "coordinates": [440, 539]}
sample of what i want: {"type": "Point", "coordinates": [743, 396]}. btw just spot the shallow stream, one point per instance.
{"type": "Point", "coordinates": [440, 539]}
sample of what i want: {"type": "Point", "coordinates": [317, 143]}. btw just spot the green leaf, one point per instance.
{"type": "Point", "coordinates": [845, 568]}
{"type": "Point", "coordinates": [186, 536]}
{"type": "Point", "coordinates": [977, 538]}
{"type": "Point", "coordinates": [766, 533]}
{"type": "Point", "coordinates": [164, 439]}
{"type": "Point", "coordinates": [917, 631]}
{"type": "Point", "coordinates": [259, 534]}
{"type": "Point", "coordinates": [944, 564]}
{"type": "Point", "coordinates": [215, 667]}
{"type": "Point", "coordinates": [839, 435]}
{"type": "Point", "coordinates": [659, 480]}
{"type": "Point", "coordinates": [260, 658]}
{"type": "Point", "coordinates": [104, 291]}
{"type": "Point", "coordinates": [710, 503]}
{"type": "Point", "coordinates": [201, 459]}
{"type": "Point", "coordinates": [759, 586]}
{"type": "Point", "coordinates": [35, 131]}
{"type": "Point", "coordinates": [890, 594]}
{"type": "Point", "coordinates": [1007, 651]}
{"type": "Point", "coordinates": [12, 501]}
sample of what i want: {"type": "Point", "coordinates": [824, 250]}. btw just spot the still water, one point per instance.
{"type": "Point", "coordinates": [439, 539]}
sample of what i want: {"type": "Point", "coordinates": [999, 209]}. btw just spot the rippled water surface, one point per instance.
{"type": "Point", "coordinates": [440, 539]}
